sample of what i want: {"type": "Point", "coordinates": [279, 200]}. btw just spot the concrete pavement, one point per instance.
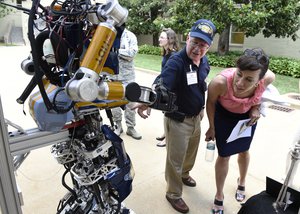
{"type": "Point", "coordinates": [39, 177]}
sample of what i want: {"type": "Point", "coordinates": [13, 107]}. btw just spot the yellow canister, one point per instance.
{"type": "Point", "coordinates": [99, 47]}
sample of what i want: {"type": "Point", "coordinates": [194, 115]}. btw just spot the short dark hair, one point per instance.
{"type": "Point", "coordinates": [254, 59]}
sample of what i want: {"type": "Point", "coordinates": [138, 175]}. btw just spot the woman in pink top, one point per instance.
{"type": "Point", "coordinates": [235, 95]}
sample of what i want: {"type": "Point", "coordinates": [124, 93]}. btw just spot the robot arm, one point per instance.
{"type": "Point", "coordinates": [81, 73]}
{"type": "Point", "coordinates": [86, 84]}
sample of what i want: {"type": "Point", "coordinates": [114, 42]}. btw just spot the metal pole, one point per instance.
{"type": "Point", "coordinates": [295, 156]}
{"type": "Point", "coordinates": [9, 199]}
{"type": "Point", "coordinates": [282, 193]}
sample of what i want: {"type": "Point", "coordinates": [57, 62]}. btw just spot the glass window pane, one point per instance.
{"type": "Point", "coordinates": [237, 36]}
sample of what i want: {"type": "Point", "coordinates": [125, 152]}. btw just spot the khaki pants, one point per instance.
{"type": "Point", "coordinates": [182, 141]}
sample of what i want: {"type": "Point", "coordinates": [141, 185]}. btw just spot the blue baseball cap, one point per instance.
{"type": "Point", "coordinates": [203, 29]}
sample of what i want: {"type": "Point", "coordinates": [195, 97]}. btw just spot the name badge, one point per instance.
{"type": "Point", "coordinates": [191, 77]}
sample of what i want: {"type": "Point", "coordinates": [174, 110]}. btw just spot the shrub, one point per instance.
{"type": "Point", "coordinates": [222, 61]}
{"type": "Point", "coordinates": [279, 65]}
{"type": "Point", "coordinates": [285, 66]}
{"type": "Point", "coordinates": [149, 49]}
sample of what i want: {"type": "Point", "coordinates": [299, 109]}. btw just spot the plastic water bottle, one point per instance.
{"type": "Point", "coordinates": [210, 150]}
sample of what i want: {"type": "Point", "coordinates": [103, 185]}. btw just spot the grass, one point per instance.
{"type": "Point", "coordinates": [3, 44]}
{"type": "Point", "coordinates": [151, 62]}
{"type": "Point", "coordinates": [284, 84]}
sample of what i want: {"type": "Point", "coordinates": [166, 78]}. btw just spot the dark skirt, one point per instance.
{"type": "Point", "coordinates": [225, 121]}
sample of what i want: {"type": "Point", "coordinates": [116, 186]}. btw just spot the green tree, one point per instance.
{"type": "Point", "coordinates": [270, 17]}
{"type": "Point", "coordinates": [3, 10]}
{"type": "Point", "coordinates": [142, 14]}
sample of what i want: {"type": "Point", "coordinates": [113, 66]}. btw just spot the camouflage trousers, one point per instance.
{"type": "Point", "coordinates": [129, 115]}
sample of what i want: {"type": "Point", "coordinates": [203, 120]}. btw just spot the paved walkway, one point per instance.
{"type": "Point", "coordinates": [40, 176]}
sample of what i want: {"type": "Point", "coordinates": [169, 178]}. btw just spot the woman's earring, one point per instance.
{"type": "Point", "coordinates": [256, 84]}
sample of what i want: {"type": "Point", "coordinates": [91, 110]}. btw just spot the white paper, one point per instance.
{"type": "Point", "coordinates": [271, 94]}
{"type": "Point", "coordinates": [235, 132]}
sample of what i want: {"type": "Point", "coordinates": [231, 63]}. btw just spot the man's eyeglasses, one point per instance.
{"type": "Point", "coordinates": [200, 45]}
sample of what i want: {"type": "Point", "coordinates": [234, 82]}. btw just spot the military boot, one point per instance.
{"type": "Point", "coordinates": [133, 133]}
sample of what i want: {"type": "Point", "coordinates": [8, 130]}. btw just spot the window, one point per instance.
{"type": "Point", "coordinates": [236, 36]}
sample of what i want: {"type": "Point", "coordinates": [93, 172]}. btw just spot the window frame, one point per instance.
{"type": "Point", "coordinates": [230, 37]}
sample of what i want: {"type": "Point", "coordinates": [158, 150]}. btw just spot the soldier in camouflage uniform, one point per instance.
{"type": "Point", "coordinates": [128, 49]}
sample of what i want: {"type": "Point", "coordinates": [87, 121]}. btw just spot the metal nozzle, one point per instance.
{"type": "Point", "coordinates": [114, 12]}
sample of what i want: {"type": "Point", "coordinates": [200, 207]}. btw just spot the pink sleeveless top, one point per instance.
{"type": "Point", "coordinates": [235, 104]}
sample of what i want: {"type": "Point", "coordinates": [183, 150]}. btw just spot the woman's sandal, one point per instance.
{"type": "Point", "coordinates": [240, 193]}
{"type": "Point", "coordinates": [160, 138]}
{"type": "Point", "coordinates": [161, 143]}
{"type": "Point", "coordinates": [219, 204]}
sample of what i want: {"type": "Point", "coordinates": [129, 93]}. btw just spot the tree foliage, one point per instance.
{"type": "Point", "coordinates": [279, 18]}
{"type": "Point", "coordinates": [142, 15]}
{"type": "Point", "coordinates": [269, 17]}
{"type": "Point", "coordinates": [4, 10]}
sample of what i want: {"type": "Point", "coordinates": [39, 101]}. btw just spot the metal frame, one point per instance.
{"type": "Point", "coordinates": [9, 200]}
{"type": "Point", "coordinates": [19, 143]}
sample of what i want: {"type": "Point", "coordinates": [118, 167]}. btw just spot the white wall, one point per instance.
{"type": "Point", "coordinates": [275, 46]}
{"type": "Point", "coordinates": [144, 39]}
{"type": "Point", "coordinates": [12, 20]}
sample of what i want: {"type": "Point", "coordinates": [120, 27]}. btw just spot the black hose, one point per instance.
{"type": "Point", "coordinates": [38, 73]}
{"type": "Point", "coordinates": [110, 116]}
{"type": "Point", "coordinates": [65, 185]}
{"type": "Point", "coordinates": [59, 47]}
{"type": "Point", "coordinates": [29, 88]}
